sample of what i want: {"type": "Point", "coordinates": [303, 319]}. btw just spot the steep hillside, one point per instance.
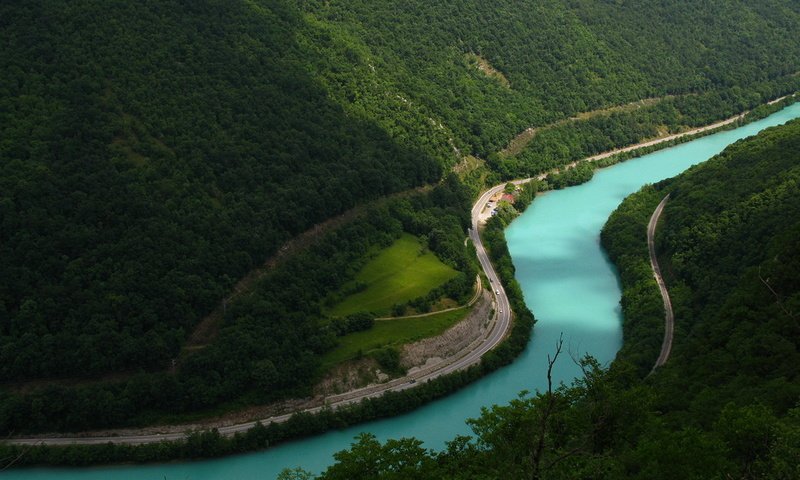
{"type": "Point", "coordinates": [561, 58]}
{"type": "Point", "coordinates": [728, 245]}
{"type": "Point", "coordinates": [729, 249]}
{"type": "Point", "coordinates": [724, 406]}
{"type": "Point", "coordinates": [153, 153]}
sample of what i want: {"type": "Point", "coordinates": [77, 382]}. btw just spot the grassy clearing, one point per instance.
{"type": "Point", "coordinates": [391, 333]}
{"type": "Point", "coordinates": [484, 66]}
{"type": "Point", "coordinates": [518, 143]}
{"type": "Point", "coordinates": [397, 274]}
{"type": "Point", "coordinates": [467, 165]}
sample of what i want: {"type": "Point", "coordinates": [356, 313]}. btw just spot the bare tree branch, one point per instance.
{"type": "Point", "coordinates": [777, 297]}
{"type": "Point", "coordinates": [14, 460]}
{"type": "Point", "coordinates": [563, 456]}
{"type": "Point", "coordinates": [536, 453]}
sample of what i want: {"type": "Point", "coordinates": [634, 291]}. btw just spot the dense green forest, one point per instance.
{"type": "Point", "coordinates": [153, 153]}
{"type": "Point", "coordinates": [210, 443]}
{"type": "Point", "coordinates": [726, 403]}
{"type": "Point", "coordinates": [272, 339]}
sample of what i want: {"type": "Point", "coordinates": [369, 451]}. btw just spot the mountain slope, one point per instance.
{"type": "Point", "coordinates": [153, 153]}
{"type": "Point", "coordinates": [724, 406]}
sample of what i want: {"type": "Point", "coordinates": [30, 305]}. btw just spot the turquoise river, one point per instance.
{"type": "Point", "coordinates": [568, 284]}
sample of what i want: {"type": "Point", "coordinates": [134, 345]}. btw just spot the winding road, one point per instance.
{"type": "Point", "coordinates": [669, 317]}
{"type": "Point", "coordinates": [492, 337]}
{"type": "Point", "coordinates": [497, 330]}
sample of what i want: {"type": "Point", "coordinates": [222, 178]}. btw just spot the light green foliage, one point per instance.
{"type": "Point", "coordinates": [725, 404]}
{"type": "Point", "coordinates": [388, 333]}
{"type": "Point", "coordinates": [404, 271]}
{"type": "Point", "coordinates": [153, 153]}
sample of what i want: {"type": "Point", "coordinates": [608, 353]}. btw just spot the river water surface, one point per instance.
{"type": "Point", "coordinates": [568, 284]}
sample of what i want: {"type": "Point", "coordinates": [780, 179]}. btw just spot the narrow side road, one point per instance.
{"type": "Point", "coordinates": [494, 334]}
{"type": "Point", "coordinates": [471, 302]}
{"type": "Point", "coordinates": [669, 317]}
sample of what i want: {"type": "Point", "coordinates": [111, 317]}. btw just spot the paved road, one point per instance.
{"type": "Point", "coordinates": [669, 317]}
{"type": "Point", "coordinates": [472, 355]}
{"type": "Point", "coordinates": [494, 335]}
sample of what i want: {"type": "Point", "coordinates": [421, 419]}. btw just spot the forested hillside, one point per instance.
{"type": "Point", "coordinates": [564, 57]}
{"type": "Point", "coordinates": [729, 251]}
{"type": "Point", "coordinates": [726, 403]}
{"type": "Point", "coordinates": [152, 153]}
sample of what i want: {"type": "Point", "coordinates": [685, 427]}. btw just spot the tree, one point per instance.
{"type": "Point", "coordinates": [368, 459]}
{"type": "Point", "coordinates": [296, 473]}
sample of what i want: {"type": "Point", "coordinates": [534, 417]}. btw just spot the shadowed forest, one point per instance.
{"type": "Point", "coordinates": [153, 153]}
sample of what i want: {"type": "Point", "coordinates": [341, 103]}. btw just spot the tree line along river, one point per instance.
{"type": "Point", "coordinates": [568, 283]}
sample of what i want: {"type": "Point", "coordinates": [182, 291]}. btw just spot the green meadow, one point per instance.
{"type": "Point", "coordinates": [398, 273]}
{"type": "Point", "coordinates": [391, 333]}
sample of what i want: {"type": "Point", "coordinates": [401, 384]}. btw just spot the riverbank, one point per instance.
{"type": "Point", "coordinates": [618, 155]}
{"type": "Point", "coordinates": [211, 437]}
{"type": "Point", "coordinates": [369, 403]}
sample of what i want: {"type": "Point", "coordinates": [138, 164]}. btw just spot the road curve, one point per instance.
{"type": "Point", "coordinates": [498, 328]}
{"type": "Point", "coordinates": [496, 332]}
{"type": "Point", "coordinates": [669, 317]}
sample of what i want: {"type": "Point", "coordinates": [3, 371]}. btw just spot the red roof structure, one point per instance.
{"type": "Point", "coordinates": [507, 197]}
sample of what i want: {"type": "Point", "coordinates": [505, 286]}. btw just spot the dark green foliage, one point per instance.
{"type": "Point", "coordinates": [154, 152]}
{"type": "Point", "coordinates": [300, 425]}
{"type": "Point", "coordinates": [624, 237]}
{"type": "Point", "coordinates": [725, 405]}
{"type": "Point", "coordinates": [369, 459]}
{"type": "Point", "coordinates": [728, 245]}
{"type": "Point", "coordinates": [581, 173]}
{"type": "Point", "coordinates": [555, 146]}
{"type": "Point", "coordinates": [258, 437]}
{"type": "Point", "coordinates": [389, 360]}
{"type": "Point", "coordinates": [271, 341]}
{"type": "Point", "coordinates": [352, 323]}
{"type": "Point", "coordinates": [730, 248]}
{"type": "Point", "coordinates": [562, 58]}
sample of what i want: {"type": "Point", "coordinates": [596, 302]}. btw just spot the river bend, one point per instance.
{"type": "Point", "coordinates": [568, 283]}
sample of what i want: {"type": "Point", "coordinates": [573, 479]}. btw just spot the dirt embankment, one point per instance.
{"type": "Point", "coordinates": [427, 352]}
{"type": "Point", "coordinates": [350, 375]}
{"type": "Point", "coordinates": [430, 351]}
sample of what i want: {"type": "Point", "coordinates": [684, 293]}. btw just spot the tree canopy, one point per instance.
{"type": "Point", "coordinates": [152, 153]}
{"type": "Point", "coordinates": [726, 403]}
